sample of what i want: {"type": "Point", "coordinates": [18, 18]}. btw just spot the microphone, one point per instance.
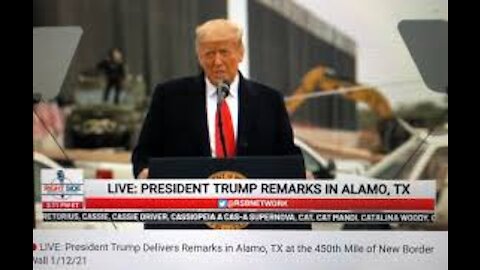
{"type": "Point", "coordinates": [223, 90]}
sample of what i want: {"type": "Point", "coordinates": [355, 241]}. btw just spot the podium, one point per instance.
{"type": "Point", "coordinates": [255, 167]}
{"type": "Point", "coordinates": [264, 167]}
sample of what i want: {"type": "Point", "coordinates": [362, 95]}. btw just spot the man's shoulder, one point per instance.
{"type": "Point", "coordinates": [178, 83]}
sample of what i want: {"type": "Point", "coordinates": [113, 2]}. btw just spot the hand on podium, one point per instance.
{"type": "Point", "coordinates": [143, 174]}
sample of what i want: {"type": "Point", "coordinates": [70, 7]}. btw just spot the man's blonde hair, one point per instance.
{"type": "Point", "coordinates": [218, 29]}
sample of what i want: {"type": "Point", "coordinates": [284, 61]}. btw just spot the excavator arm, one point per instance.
{"type": "Point", "coordinates": [322, 79]}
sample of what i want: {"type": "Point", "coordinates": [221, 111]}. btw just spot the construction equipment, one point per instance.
{"type": "Point", "coordinates": [324, 79]}
{"type": "Point", "coordinates": [319, 78]}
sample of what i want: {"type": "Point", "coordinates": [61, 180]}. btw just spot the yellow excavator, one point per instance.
{"type": "Point", "coordinates": [321, 80]}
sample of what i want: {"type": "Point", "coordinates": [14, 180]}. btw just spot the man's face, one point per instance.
{"type": "Point", "coordinates": [117, 56]}
{"type": "Point", "coordinates": [220, 59]}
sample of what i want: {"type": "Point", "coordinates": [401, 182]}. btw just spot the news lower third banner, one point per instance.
{"type": "Point", "coordinates": [66, 196]}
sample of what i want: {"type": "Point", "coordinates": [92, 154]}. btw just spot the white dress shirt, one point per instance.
{"type": "Point", "coordinates": [232, 102]}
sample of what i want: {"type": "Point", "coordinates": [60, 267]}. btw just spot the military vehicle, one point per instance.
{"type": "Point", "coordinates": [94, 123]}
